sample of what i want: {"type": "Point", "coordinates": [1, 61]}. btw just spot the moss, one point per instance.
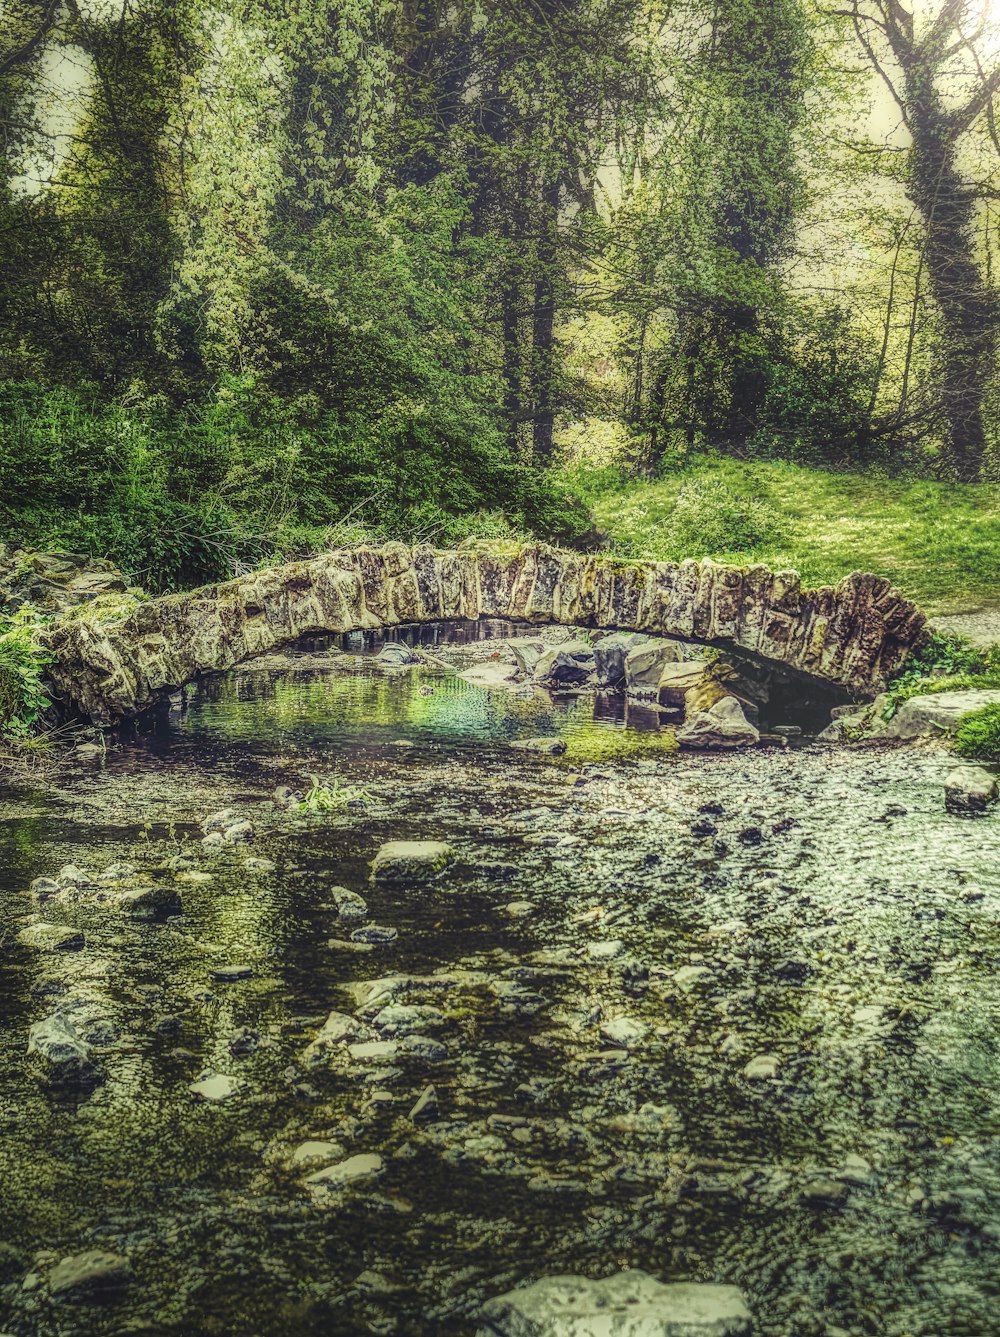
{"type": "Point", "coordinates": [107, 607]}
{"type": "Point", "coordinates": [977, 737]}
{"type": "Point", "coordinates": [596, 745]}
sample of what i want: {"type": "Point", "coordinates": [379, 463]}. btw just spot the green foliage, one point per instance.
{"type": "Point", "coordinates": [946, 663]}
{"type": "Point", "coordinates": [708, 516]}
{"type": "Point", "coordinates": [331, 796]}
{"type": "Point", "coordinates": [978, 735]}
{"type": "Point", "coordinates": [23, 699]}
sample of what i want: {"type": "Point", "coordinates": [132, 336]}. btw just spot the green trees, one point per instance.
{"type": "Point", "coordinates": [290, 262]}
{"type": "Point", "coordinates": [919, 69]}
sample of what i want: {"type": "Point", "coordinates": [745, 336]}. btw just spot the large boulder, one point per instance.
{"type": "Point", "coordinates": [611, 652]}
{"type": "Point", "coordinates": [722, 726]}
{"type": "Point", "coordinates": [630, 1304]}
{"type": "Point", "coordinates": [568, 665]}
{"type": "Point", "coordinates": [527, 651]}
{"type": "Point", "coordinates": [644, 667]}
{"type": "Point", "coordinates": [677, 680]}
{"type": "Point", "coordinates": [969, 791]}
{"type": "Point", "coordinates": [932, 715]}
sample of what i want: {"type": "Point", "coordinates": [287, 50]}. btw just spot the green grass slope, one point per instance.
{"type": "Point", "coordinates": [940, 543]}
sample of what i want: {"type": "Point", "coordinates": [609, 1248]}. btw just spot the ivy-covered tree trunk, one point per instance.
{"type": "Point", "coordinates": [967, 308]}
{"type": "Point", "coordinates": [756, 69]}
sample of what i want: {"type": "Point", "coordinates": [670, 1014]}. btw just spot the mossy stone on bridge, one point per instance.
{"type": "Point", "coordinates": [853, 636]}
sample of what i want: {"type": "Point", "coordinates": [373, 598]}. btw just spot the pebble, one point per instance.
{"type": "Point", "coordinates": [763, 1068]}
{"type": "Point", "coordinates": [91, 1275]}
{"type": "Point", "coordinates": [364, 1166]}
{"type": "Point", "coordinates": [229, 974]}
{"type": "Point", "coordinates": [215, 1086]}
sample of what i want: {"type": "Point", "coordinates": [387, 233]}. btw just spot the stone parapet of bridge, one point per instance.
{"type": "Point", "coordinates": [852, 636]}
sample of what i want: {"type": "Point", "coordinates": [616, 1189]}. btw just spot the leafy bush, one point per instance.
{"type": "Point", "coordinates": [710, 517]}
{"type": "Point", "coordinates": [978, 735]}
{"type": "Point", "coordinates": [23, 698]}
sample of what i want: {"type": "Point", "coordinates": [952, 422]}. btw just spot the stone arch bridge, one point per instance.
{"type": "Point", "coordinates": [850, 637]}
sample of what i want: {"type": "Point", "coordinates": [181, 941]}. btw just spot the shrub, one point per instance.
{"type": "Point", "coordinates": [23, 698]}
{"type": "Point", "coordinates": [710, 517]}
{"type": "Point", "coordinates": [978, 735]}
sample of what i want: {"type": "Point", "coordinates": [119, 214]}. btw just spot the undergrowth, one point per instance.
{"type": "Point", "coordinates": [23, 698]}
{"type": "Point", "coordinates": [945, 664]}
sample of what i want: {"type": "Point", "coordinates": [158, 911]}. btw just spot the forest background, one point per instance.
{"type": "Point", "coordinates": [678, 276]}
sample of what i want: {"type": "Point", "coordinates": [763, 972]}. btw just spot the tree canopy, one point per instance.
{"type": "Point", "coordinates": [275, 266]}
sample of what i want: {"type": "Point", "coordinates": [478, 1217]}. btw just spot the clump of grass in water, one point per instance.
{"type": "Point", "coordinates": [331, 796]}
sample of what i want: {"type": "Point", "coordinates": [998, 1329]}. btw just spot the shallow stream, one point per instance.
{"type": "Point", "coordinates": [825, 915]}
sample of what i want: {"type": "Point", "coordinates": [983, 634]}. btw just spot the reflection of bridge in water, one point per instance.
{"type": "Point", "coordinates": [851, 636]}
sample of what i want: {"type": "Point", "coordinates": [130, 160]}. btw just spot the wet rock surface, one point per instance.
{"type": "Point", "coordinates": [767, 1063]}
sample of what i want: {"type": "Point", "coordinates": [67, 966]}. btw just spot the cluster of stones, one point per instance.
{"type": "Point", "coordinates": [853, 636]}
{"type": "Point", "coordinates": [715, 702]}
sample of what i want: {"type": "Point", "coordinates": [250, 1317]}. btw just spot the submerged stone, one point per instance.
{"type": "Point", "coordinates": [51, 938]}
{"type": "Point", "coordinates": [349, 904]}
{"type": "Point", "coordinates": [411, 860]}
{"type": "Point", "coordinates": [92, 1275]}
{"type": "Point", "coordinates": [366, 1165]}
{"type": "Point", "coordinates": [630, 1304]}
{"type": "Point", "coordinates": [215, 1086]}
{"type": "Point", "coordinates": [61, 1054]}
{"type": "Point", "coordinates": [546, 747]}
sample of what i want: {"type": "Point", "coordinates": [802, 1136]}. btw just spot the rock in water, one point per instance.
{"type": "Point", "coordinates": [215, 1086]}
{"type": "Point", "coordinates": [611, 652]}
{"type": "Point", "coordinates": [631, 1304]}
{"type": "Point", "coordinates": [546, 747]}
{"type": "Point", "coordinates": [644, 667]}
{"type": "Point", "coordinates": [723, 725]}
{"type": "Point", "coordinates": [969, 791]}
{"type": "Point", "coordinates": [355, 1168]}
{"type": "Point", "coordinates": [51, 938]}
{"type": "Point", "coordinates": [567, 665]}
{"type": "Point", "coordinates": [92, 1275]}
{"type": "Point", "coordinates": [396, 653]}
{"type": "Point", "coordinates": [62, 1054]}
{"type": "Point", "coordinates": [624, 1032]}
{"type": "Point", "coordinates": [349, 904]}
{"type": "Point", "coordinates": [411, 860]}
{"type": "Point", "coordinates": [527, 651]}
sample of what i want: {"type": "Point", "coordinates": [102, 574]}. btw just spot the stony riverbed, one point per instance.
{"type": "Point", "coordinates": [726, 1018]}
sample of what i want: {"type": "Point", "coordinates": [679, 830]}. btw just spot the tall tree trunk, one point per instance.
{"type": "Point", "coordinates": [967, 307]}
{"type": "Point", "coordinates": [543, 351]}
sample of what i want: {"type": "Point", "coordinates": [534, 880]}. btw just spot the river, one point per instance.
{"type": "Point", "coordinates": [791, 952]}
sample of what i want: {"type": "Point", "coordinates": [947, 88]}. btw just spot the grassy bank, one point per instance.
{"type": "Point", "coordinates": [939, 543]}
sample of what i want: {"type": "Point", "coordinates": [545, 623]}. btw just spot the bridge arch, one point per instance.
{"type": "Point", "coordinates": [851, 636]}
